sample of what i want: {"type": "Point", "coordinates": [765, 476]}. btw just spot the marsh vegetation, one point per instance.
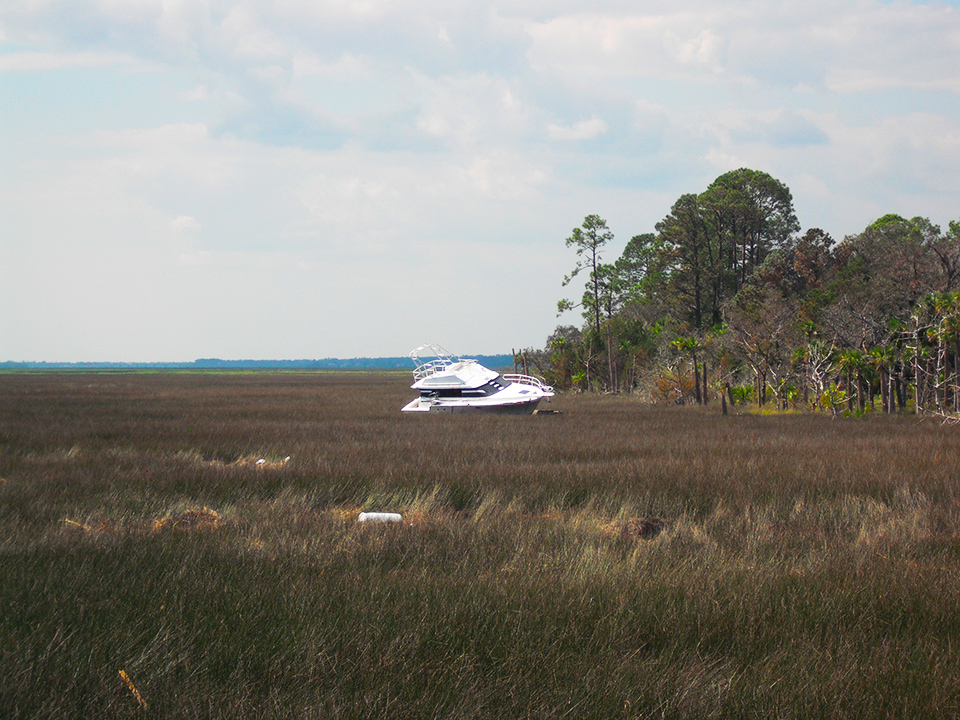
{"type": "Point", "coordinates": [617, 560]}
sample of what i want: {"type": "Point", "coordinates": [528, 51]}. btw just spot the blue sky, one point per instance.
{"type": "Point", "coordinates": [303, 178]}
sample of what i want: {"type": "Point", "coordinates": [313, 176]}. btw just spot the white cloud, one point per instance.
{"type": "Point", "coordinates": [470, 110]}
{"type": "Point", "coordinates": [502, 178]}
{"type": "Point", "coordinates": [702, 50]}
{"type": "Point", "coordinates": [581, 130]}
{"type": "Point", "coordinates": [335, 152]}
{"type": "Point", "coordinates": [30, 61]}
{"type": "Point", "coordinates": [195, 259]}
{"type": "Point", "coordinates": [916, 149]}
{"type": "Point", "coordinates": [184, 223]}
{"type": "Point", "coordinates": [595, 45]}
{"type": "Point", "coordinates": [203, 93]}
{"type": "Point", "coordinates": [897, 45]}
{"type": "Point", "coordinates": [848, 47]}
{"type": "Point", "coordinates": [180, 155]}
{"type": "Point", "coordinates": [248, 38]}
{"type": "Point", "coordinates": [348, 66]}
{"type": "Point", "coordinates": [776, 127]}
{"type": "Point", "coordinates": [810, 186]}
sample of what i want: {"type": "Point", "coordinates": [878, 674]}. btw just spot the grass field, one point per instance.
{"type": "Point", "coordinates": [613, 561]}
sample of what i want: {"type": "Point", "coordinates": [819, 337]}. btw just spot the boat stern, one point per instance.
{"type": "Point", "coordinates": [416, 405]}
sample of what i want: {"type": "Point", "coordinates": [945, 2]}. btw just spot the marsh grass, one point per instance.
{"type": "Point", "coordinates": [612, 561]}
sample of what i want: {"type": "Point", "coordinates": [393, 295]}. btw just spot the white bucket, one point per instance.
{"type": "Point", "coordinates": [379, 517]}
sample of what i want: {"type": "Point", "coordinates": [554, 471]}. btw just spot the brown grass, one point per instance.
{"type": "Point", "coordinates": [615, 560]}
{"type": "Point", "coordinates": [190, 519]}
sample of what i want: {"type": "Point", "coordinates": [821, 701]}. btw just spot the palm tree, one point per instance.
{"type": "Point", "coordinates": [947, 306]}
{"type": "Point", "coordinates": [850, 363]}
{"type": "Point", "coordinates": [881, 358]}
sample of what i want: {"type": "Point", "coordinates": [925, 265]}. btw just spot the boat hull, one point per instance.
{"type": "Point", "coordinates": [451, 408]}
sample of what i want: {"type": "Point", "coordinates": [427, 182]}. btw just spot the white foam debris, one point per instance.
{"type": "Point", "coordinates": [379, 517]}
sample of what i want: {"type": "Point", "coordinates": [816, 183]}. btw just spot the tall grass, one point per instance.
{"type": "Point", "coordinates": [612, 561]}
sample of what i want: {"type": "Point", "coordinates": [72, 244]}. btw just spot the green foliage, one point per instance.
{"type": "Point", "coordinates": [732, 256]}
{"type": "Point", "coordinates": [589, 240]}
{"type": "Point", "coordinates": [742, 394]}
{"type": "Point", "coordinates": [640, 268]}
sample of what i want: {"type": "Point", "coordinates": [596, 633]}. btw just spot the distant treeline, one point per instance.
{"type": "Point", "coordinates": [365, 363]}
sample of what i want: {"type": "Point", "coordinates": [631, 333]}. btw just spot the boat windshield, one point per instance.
{"type": "Point", "coordinates": [499, 383]}
{"type": "Point", "coordinates": [490, 388]}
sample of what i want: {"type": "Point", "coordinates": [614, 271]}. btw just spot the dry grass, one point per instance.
{"type": "Point", "coordinates": [614, 560]}
{"type": "Point", "coordinates": [190, 519]}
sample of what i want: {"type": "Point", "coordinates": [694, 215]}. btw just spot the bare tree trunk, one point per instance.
{"type": "Point", "coordinates": [956, 374]}
{"type": "Point", "coordinates": [892, 390]}
{"type": "Point", "coordinates": [918, 382]}
{"type": "Point", "coordinates": [704, 383]}
{"type": "Point", "coordinates": [696, 379]}
{"type": "Point", "coordinates": [884, 392]}
{"type": "Point", "coordinates": [901, 387]}
{"type": "Point", "coordinates": [610, 364]}
{"type": "Point", "coordinates": [938, 378]}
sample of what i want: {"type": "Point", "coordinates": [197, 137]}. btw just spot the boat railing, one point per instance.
{"type": "Point", "coordinates": [426, 369]}
{"type": "Point", "coordinates": [442, 359]}
{"type": "Point", "coordinates": [528, 380]}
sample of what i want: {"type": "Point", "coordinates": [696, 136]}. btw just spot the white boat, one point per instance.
{"type": "Point", "coordinates": [452, 384]}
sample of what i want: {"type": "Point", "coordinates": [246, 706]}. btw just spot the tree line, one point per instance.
{"type": "Point", "coordinates": [728, 301]}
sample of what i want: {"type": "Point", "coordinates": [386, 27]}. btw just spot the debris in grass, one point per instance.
{"type": "Point", "coordinates": [644, 528]}
{"type": "Point", "coordinates": [261, 463]}
{"type": "Point", "coordinates": [192, 518]}
{"type": "Point", "coordinates": [634, 529]}
{"type": "Point", "coordinates": [86, 528]}
{"type": "Point", "coordinates": [547, 412]}
{"type": "Point", "coordinates": [80, 525]}
{"type": "Point", "coordinates": [343, 514]}
{"type": "Point", "coordinates": [379, 517]}
{"type": "Point", "coordinates": [133, 689]}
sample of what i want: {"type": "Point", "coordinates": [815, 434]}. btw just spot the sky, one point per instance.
{"type": "Point", "coordinates": [185, 179]}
